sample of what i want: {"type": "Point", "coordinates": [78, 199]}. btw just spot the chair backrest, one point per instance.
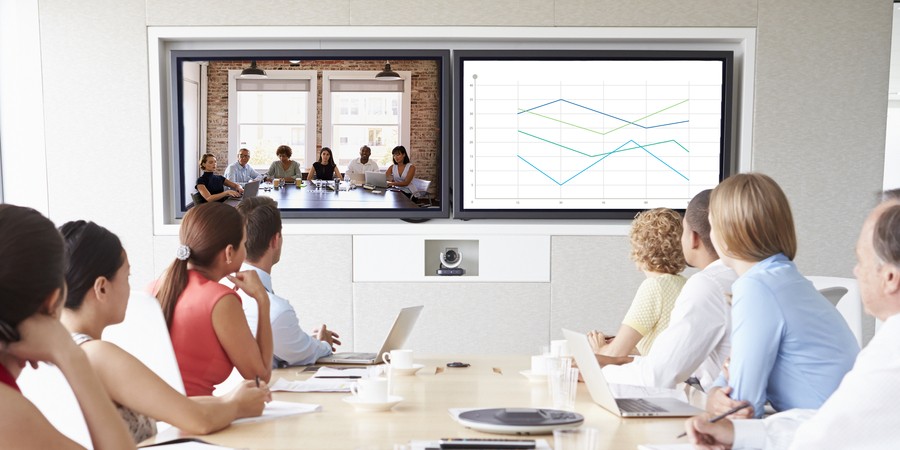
{"type": "Point", "coordinates": [49, 391]}
{"type": "Point", "coordinates": [145, 335]}
{"type": "Point", "coordinates": [849, 304]}
{"type": "Point", "coordinates": [421, 187]}
{"type": "Point", "coordinates": [197, 198]}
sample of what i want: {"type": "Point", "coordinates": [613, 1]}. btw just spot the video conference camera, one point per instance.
{"type": "Point", "coordinates": [451, 258]}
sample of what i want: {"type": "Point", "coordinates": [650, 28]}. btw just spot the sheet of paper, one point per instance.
{"type": "Point", "coordinates": [313, 385]}
{"type": "Point", "coordinates": [539, 444]}
{"type": "Point", "coordinates": [277, 409]}
{"type": "Point", "coordinates": [187, 444]}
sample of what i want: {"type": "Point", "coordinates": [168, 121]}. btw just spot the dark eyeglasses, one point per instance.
{"type": "Point", "coordinates": [244, 156]}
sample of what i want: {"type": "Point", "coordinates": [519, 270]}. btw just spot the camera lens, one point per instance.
{"type": "Point", "coordinates": [451, 256]}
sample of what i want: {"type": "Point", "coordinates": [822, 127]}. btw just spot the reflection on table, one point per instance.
{"type": "Point", "coordinates": [310, 196]}
{"type": "Point", "coordinates": [490, 382]}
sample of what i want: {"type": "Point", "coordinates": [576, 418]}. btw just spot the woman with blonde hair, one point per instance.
{"type": "Point", "coordinates": [210, 186]}
{"type": "Point", "coordinates": [656, 251]}
{"type": "Point", "coordinates": [97, 276]}
{"type": "Point", "coordinates": [206, 321]}
{"type": "Point", "coordinates": [789, 345]}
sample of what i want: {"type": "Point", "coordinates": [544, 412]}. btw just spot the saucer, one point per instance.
{"type": "Point", "coordinates": [534, 377]}
{"type": "Point", "coordinates": [372, 407]}
{"type": "Point", "coordinates": [406, 371]}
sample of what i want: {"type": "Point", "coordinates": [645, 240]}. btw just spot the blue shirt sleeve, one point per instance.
{"type": "Point", "coordinates": [757, 328]}
{"type": "Point", "coordinates": [292, 344]}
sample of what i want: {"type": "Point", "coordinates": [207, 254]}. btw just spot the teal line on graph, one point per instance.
{"type": "Point", "coordinates": [606, 155]}
{"type": "Point", "coordinates": [602, 154]}
{"type": "Point", "coordinates": [602, 133]}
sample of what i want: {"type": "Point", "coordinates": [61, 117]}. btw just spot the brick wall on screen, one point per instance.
{"type": "Point", "coordinates": [425, 127]}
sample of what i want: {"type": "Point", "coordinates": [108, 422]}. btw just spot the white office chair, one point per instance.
{"type": "Point", "coordinates": [843, 293]}
{"type": "Point", "coordinates": [420, 191]}
{"type": "Point", "coordinates": [48, 389]}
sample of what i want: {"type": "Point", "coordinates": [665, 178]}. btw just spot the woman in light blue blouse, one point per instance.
{"type": "Point", "coordinates": [789, 345]}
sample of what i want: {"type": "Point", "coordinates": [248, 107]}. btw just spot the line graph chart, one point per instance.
{"type": "Point", "coordinates": [590, 134]}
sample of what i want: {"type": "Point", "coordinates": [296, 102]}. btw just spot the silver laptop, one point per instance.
{"type": "Point", "coordinates": [251, 189]}
{"type": "Point", "coordinates": [395, 339]}
{"type": "Point", "coordinates": [376, 179]}
{"type": "Point", "coordinates": [603, 396]}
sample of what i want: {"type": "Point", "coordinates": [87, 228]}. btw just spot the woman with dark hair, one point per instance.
{"type": "Point", "coordinates": [325, 168]}
{"type": "Point", "coordinates": [211, 186]}
{"type": "Point", "coordinates": [402, 172]}
{"type": "Point", "coordinates": [209, 331]}
{"type": "Point", "coordinates": [32, 291]}
{"type": "Point", "coordinates": [285, 167]}
{"type": "Point", "coordinates": [97, 275]}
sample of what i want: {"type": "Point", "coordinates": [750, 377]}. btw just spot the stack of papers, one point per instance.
{"type": "Point", "coordinates": [276, 409]}
{"type": "Point", "coordinates": [317, 383]}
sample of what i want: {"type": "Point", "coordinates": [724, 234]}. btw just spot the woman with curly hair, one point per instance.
{"type": "Point", "coordinates": [656, 251]}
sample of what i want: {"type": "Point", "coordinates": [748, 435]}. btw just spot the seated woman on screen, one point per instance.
{"type": "Point", "coordinates": [325, 168]}
{"type": "Point", "coordinates": [656, 251]}
{"type": "Point", "coordinates": [206, 321]}
{"type": "Point", "coordinates": [789, 345]}
{"type": "Point", "coordinates": [97, 278]}
{"type": "Point", "coordinates": [285, 167]}
{"type": "Point", "coordinates": [402, 172]}
{"type": "Point", "coordinates": [32, 291]}
{"type": "Point", "coordinates": [211, 186]}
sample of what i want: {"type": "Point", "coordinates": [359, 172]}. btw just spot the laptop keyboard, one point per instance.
{"type": "Point", "coordinates": [638, 405]}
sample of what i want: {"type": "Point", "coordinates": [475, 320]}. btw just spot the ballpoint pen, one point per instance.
{"type": "Point", "coordinates": [720, 416]}
{"type": "Point", "coordinates": [257, 381]}
{"type": "Point", "coordinates": [352, 377]}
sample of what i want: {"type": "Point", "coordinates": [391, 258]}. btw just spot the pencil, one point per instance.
{"type": "Point", "coordinates": [720, 416]}
{"type": "Point", "coordinates": [257, 381]}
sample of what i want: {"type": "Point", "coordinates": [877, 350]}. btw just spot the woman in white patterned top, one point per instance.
{"type": "Point", "coordinates": [656, 251]}
{"type": "Point", "coordinates": [97, 276]}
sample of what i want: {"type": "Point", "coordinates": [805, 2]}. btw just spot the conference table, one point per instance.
{"type": "Point", "coordinates": [489, 382]}
{"type": "Point", "coordinates": [357, 197]}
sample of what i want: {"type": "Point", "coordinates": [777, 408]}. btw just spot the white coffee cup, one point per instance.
{"type": "Point", "coordinates": [559, 347]}
{"type": "Point", "coordinates": [401, 358]}
{"type": "Point", "coordinates": [539, 364]}
{"type": "Point", "coordinates": [370, 390]}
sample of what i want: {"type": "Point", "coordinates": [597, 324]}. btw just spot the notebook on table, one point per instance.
{"type": "Point", "coordinates": [395, 339]}
{"type": "Point", "coordinates": [602, 395]}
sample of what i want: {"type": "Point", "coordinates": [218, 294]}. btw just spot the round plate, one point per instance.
{"type": "Point", "coordinates": [534, 377]}
{"type": "Point", "coordinates": [371, 407]}
{"type": "Point", "coordinates": [519, 420]}
{"type": "Point", "coordinates": [406, 371]}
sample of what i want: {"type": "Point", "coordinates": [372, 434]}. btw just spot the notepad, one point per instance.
{"type": "Point", "coordinates": [277, 409]}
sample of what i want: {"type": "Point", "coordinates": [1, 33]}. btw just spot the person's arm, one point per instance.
{"type": "Point", "coordinates": [389, 173]}
{"type": "Point", "coordinates": [410, 174]}
{"type": "Point", "coordinates": [234, 185]}
{"type": "Point", "coordinates": [252, 357]}
{"type": "Point", "coordinates": [624, 342]}
{"type": "Point", "coordinates": [214, 197]}
{"type": "Point", "coordinates": [337, 173]}
{"type": "Point", "coordinates": [312, 173]}
{"type": "Point", "coordinates": [43, 338]}
{"type": "Point", "coordinates": [292, 344]}
{"type": "Point", "coordinates": [229, 173]}
{"type": "Point", "coordinates": [132, 384]}
{"type": "Point", "coordinates": [270, 175]}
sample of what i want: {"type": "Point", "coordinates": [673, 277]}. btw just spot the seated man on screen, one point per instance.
{"type": "Point", "coordinates": [240, 171]}
{"type": "Point", "coordinates": [292, 346]}
{"type": "Point", "coordinates": [362, 164]}
{"type": "Point", "coordinates": [862, 412]}
{"type": "Point", "coordinates": [696, 342]}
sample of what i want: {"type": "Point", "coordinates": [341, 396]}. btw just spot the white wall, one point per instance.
{"type": "Point", "coordinates": [821, 74]}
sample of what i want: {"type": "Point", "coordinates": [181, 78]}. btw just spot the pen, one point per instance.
{"type": "Point", "coordinates": [352, 377]}
{"type": "Point", "coordinates": [720, 417]}
{"type": "Point", "coordinates": [257, 381]}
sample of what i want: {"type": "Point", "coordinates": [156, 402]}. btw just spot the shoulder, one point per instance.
{"type": "Point", "coordinates": [207, 290]}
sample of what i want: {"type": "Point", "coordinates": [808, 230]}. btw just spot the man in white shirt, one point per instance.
{"type": "Point", "coordinates": [292, 346]}
{"type": "Point", "coordinates": [362, 164]}
{"type": "Point", "coordinates": [862, 412]}
{"type": "Point", "coordinates": [240, 171]}
{"type": "Point", "coordinates": [696, 342]}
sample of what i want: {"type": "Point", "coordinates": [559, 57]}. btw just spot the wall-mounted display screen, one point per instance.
{"type": "Point", "coordinates": [588, 134]}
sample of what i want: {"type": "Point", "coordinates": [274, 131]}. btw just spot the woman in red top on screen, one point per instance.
{"type": "Point", "coordinates": [209, 331]}
{"type": "Point", "coordinates": [32, 291]}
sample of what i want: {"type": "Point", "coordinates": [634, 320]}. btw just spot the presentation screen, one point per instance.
{"type": "Point", "coordinates": [589, 134]}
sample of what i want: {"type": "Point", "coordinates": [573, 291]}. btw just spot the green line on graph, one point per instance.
{"type": "Point", "coordinates": [605, 153]}
{"type": "Point", "coordinates": [602, 133]}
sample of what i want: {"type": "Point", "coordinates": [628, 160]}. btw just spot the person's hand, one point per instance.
{"type": "Point", "coordinates": [231, 193]}
{"type": "Point", "coordinates": [250, 400]}
{"type": "Point", "coordinates": [43, 338]}
{"type": "Point", "coordinates": [597, 340]}
{"type": "Point", "coordinates": [613, 360]}
{"type": "Point", "coordinates": [720, 401]}
{"type": "Point", "coordinates": [248, 281]}
{"type": "Point", "coordinates": [710, 436]}
{"type": "Point", "coordinates": [240, 189]}
{"type": "Point", "coordinates": [325, 335]}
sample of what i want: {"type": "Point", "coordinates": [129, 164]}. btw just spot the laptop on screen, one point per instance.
{"type": "Point", "coordinates": [603, 396]}
{"type": "Point", "coordinates": [251, 189]}
{"type": "Point", "coordinates": [376, 179]}
{"type": "Point", "coordinates": [395, 339]}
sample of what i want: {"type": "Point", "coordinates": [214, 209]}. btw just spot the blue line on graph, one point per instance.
{"type": "Point", "coordinates": [600, 112]}
{"type": "Point", "coordinates": [605, 155]}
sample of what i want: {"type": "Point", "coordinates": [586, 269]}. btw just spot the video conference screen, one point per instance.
{"type": "Point", "coordinates": [584, 134]}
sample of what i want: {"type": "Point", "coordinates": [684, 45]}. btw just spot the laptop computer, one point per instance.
{"type": "Point", "coordinates": [376, 179]}
{"type": "Point", "coordinates": [603, 396]}
{"type": "Point", "coordinates": [251, 189]}
{"type": "Point", "coordinates": [357, 178]}
{"type": "Point", "coordinates": [395, 339]}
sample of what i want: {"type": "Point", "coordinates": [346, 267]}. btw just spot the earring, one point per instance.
{"type": "Point", "coordinates": [227, 261]}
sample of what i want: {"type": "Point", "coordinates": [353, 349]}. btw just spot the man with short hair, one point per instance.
{"type": "Point", "coordinates": [292, 346]}
{"type": "Point", "coordinates": [862, 412]}
{"type": "Point", "coordinates": [240, 171]}
{"type": "Point", "coordinates": [362, 164]}
{"type": "Point", "coordinates": [697, 340]}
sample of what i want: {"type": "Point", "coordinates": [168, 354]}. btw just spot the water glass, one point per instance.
{"type": "Point", "coordinates": [583, 438]}
{"type": "Point", "coordinates": [563, 383]}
